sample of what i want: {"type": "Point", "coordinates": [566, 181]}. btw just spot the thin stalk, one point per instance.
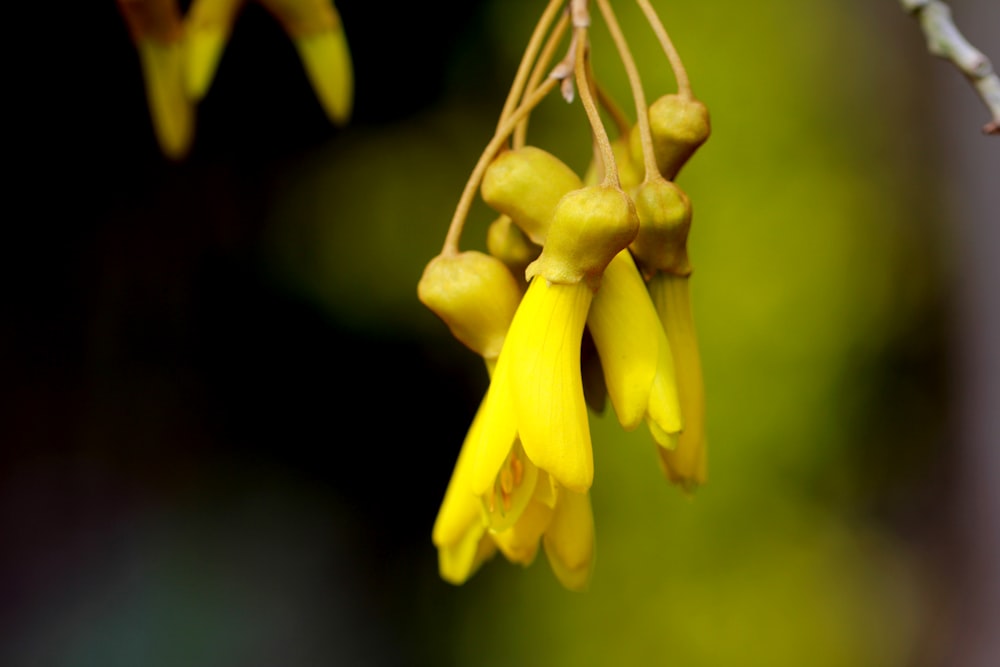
{"type": "Point", "coordinates": [587, 99]}
{"type": "Point", "coordinates": [503, 132]}
{"type": "Point", "coordinates": [635, 83]}
{"type": "Point", "coordinates": [517, 88]}
{"type": "Point", "coordinates": [541, 67]}
{"type": "Point", "coordinates": [683, 83]}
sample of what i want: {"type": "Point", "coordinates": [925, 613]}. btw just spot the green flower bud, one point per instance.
{"type": "Point", "coordinates": [589, 227]}
{"type": "Point", "coordinates": [506, 242]}
{"type": "Point", "coordinates": [526, 184]}
{"type": "Point", "coordinates": [629, 169]}
{"type": "Point", "coordinates": [476, 296]}
{"type": "Point", "coordinates": [679, 125]}
{"type": "Point", "coordinates": [664, 221]}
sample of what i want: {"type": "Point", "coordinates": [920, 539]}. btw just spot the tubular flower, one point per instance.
{"type": "Point", "coordinates": [156, 30]}
{"type": "Point", "coordinates": [635, 354]}
{"type": "Point", "coordinates": [476, 296]}
{"type": "Point", "coordinates": [601, 312]}
{"type": "Point", "coordinates": [661, 247]}
{"type": "Point", "coordinates": [314, 27]}
{"type": "Point", "coordinates": [537, 389]}
{"type": "Point", "coordinates": [687, 463]}
{"type": "Point", "coordinates": [179, 56]}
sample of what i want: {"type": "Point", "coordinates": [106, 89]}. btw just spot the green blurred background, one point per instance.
{"type": "Point", "coordinates": [228, 422]}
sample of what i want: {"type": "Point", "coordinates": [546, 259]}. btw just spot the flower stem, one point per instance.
{"type": "Point", "coordinates": [541, 65]}
{"type": "Point", "coordinates": [587, 99]}
{"type": "Point", "coordinates": [527, 59]}
{"type": "Point", "coordinates": [635, 83]}
{"type": "Point", "coordinates": [683, 83]}
{"type": "Point", "coordinates": [503, 132]}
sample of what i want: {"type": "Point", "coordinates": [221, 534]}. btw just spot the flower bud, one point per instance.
{"type": "Point", "coordinates": [679, 125]}
{"type": "Point", "coordinates": [476, 296]}
{"type": "Point", "coordinates": [506, 242]}
{"type": "Point", "coordinates": [589, 227]}
{"type": "Point", "coordinates": [664, 220]}
{"type": "Point", "coordinates": [526, 184]}
{"type": "Point", "coordinates": [629, 169]}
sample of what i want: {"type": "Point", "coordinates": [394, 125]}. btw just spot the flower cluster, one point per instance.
{"type": "Point", "coordinates": [581, 297]}
{"type": "Point", "coordinates": [179, 55]}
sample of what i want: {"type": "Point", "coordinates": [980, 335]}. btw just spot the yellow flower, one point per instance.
{"type": "Point", "coordinates": [587, 327]}
{"type": "Point", "coordinates": [476, 296]}
{"type": "Point", "coordinates": [156, 30]}
{"type": "Point", "coordinates": [635, 354]}
{"type": "Point", "coordinates": [687, 463]}
{"type": "Point", "coordinates": [661, 248]}
{"type": "Point", "coordinates": [315, 28]}
{"type": "Point", "coordinates": [522, 508]}
{"type": "Point", "coordinates": [536, 391]}
{"type": "Point", "coordinates": [207, 27]}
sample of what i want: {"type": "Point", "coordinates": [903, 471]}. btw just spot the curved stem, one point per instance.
{"type": "Point", "coordinates": [683, 83]}
{"type": "Point", "coordinates": [608, 104]}
{"type": "Point", "coordinates": [635, 83]}
{"type": "Point", "coordinates": [541, 66]}
{"type": "Point", "coordinates": [524, 68]}
{"type": "Point", "coordinates": [587, 99]}
{"type": "Point", "coordinates": [503, 132]}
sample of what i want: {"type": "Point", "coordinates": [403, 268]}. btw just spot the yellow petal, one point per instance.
{"type": "Point", "coordinates": [207, 27]}
{"type": "Point", "coordinates": [170, 109]}
{"type": "Point", "coordinates": [625, 329]}
{"type": "Point", "coordinates": [543, 348]}
{"type": "Point", "coordinates": [687, 463]}
{"type": "Point", "coordinates": [327, 61]}
{"type": "Point", "coordinates": [569, 540]}
{"type": "Point", "coordinates": [519, 542]}
{"type": "Point", "coordinates": [461, 508]}
{"type": "Point", "coordinates": [204, 50]}
{"type": "Point", "coordinates": [665, 439]}
{"type": "Point", "coordinates": [458, 562]}
{"type": "Point", "coordinates": [664, 397]}
{"type": "Point", "coordinates": [498, 429]}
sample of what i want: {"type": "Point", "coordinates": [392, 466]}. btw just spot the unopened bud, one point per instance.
{"type": "Point", "coordinates": [679, 125]}
{"type": "Point", "coordinates": [526, 184]}
{"type": "Point", "coordinates": [506, 242]}
{"type": "Point", "coordinates": [664, 221]}
{"type": "Point", "coordinates": [476, 296]}
{"type": "Point", "coordinates": [589, 227]}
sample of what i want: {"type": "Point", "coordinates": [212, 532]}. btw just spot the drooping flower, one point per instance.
{"type": "Point", "coordinates": [156, 30]}
{"type": "Point", "coordinates": [587, 327]}
{"type": "Point", "coordinates": [476, 296]}
{"type": "Point", "coordinates": [635, 353]}
{"type": "Point", "coordinates": [537, 390]}
{"type": "Point", "coordinates": [315, 28]}
{"type": "Point", "coordinates": [661, 248]}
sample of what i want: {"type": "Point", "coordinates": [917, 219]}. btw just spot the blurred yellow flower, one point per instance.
{"type": "Point", "coordinates": [179, 57]}
{"type": "Point", "coordinates": [314, 26]}
{"type": "Point", "coordinates": [156, 30]}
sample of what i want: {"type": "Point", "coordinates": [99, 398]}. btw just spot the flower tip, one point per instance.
{"type": "Point", "coordinates": [204, 47]}
{"type": "Point", "coordinates": [569, 540]}
{"type": "Point", "coordinates": [327, 61]}
{"type": "Point", "coordinates": [171, 111]}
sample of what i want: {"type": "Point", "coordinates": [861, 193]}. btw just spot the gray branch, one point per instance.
{"type": "Point", "coordinates": [945, 41]}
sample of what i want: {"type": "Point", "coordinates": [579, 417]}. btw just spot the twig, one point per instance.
{"type": "Point", "coordinates": [945, 41]}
